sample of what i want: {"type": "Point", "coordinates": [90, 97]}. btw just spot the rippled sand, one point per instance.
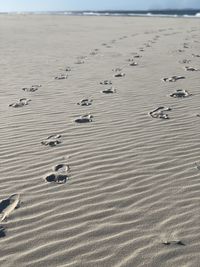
{"type": "Point", "coordinates": [133, 183]}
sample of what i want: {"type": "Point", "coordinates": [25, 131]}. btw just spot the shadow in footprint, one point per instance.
{"type": "Point", "coordinates": [174, 242]}
{"type": "Point", "coordinates": [84, 119]}
{"type": "Point", "coordinates": [109, 91]}
{"type": "Point", "coordinates": [119, 75]}
{"type": "Point", "coordinates": [57, 178]}
{"type": "Point", "coordinates": [4, 204]}
{"type": "Point", "coordinates": [2, 232]}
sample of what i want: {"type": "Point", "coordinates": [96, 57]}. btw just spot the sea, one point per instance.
{"type": "Point", "coordinates": [128, 13]}
{"type": "Point", "coordinates": [160, 13]}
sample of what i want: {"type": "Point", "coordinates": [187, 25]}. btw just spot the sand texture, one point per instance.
{"type": "Point", "coordinates": [119, 187]}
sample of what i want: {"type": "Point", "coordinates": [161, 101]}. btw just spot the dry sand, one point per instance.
{"type": "Point", "coordinates": [133, 182]}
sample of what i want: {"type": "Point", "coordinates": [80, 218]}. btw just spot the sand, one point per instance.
{"type": "Point", "coordinates": [133, 183]}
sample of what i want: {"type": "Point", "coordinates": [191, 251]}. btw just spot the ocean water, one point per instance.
{"type": "Point", "coordinates": [160, 13]}
{"type": "Point", "coordinates": [166, 12]}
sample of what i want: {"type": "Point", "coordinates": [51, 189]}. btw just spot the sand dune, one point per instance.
{"type": "Point", "coordinates": [132, 195]}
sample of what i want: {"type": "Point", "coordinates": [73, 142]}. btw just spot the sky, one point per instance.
{"type": "Point", "coordinates": [67, 5]}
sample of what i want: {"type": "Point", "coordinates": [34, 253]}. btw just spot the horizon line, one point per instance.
{"type": "Point", "coordinates": [104, 10]}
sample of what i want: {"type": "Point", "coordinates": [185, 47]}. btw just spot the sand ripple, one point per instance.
{"type": "Point", "coordinates": [133, 183]}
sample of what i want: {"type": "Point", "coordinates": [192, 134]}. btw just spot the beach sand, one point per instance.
{"type": "Point", "coordinates": [133, 183]}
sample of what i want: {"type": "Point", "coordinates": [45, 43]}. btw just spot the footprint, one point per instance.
{"type": "Point", "coordinates": [185, 61]}
{"type": "Point", "coordinates": [68, 69]}
{"type": "Point", "coordinates": [61, 77]}
{"type": "Point", "coordinates": [93, 53]}
{"type": "Point", "coordinates": [82, 57]}
{"type": "Point", "coordinates": [180, 50]}
{"type": "Point", "coordinates": [85, 102]}
{"type": "Point", "coordinates": [121, 74]}
{"type": "Point", "coordinates": [160, 113]}
{"type": "Point", "coordinates": [130, 60]}
{"type": "Point", "coordinates": [79, 62]}
{"type": "Point", "coordinates": [198, 166]}
{"type": "Point", "coordinates": [52, 140]}
{"type": "Point", "coordinates": [109, 91]}
{"type": "Point", "coordinates": [133, 63]}
{"type": "Point", "coordinates": [179, 93]}
{"type": "Point", "coordinates": [20, 103]}
{"type": "Point", "coordinates": [57, 178]}
{"type": "Point", "coordinates": [8, 205]}
{"type": "Point", "coordinates": [33, 88]}
{"type": "Point", "coordinates": [84, 119]}
{"type": "Point", "coordinates": [173, 78]}
{"type": "Point", "coordinates": [195, 55]}
{"type": "Point", "coordinates": [60, 174]}
{"type": "Point", "coordinates": [106, 82]}
{"type": "Point", "coordinates": [187, 68]}
{"type": "Point", "coordinates": [117, 69]}
{"type": "Point", "coordinates": [185, 45]}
